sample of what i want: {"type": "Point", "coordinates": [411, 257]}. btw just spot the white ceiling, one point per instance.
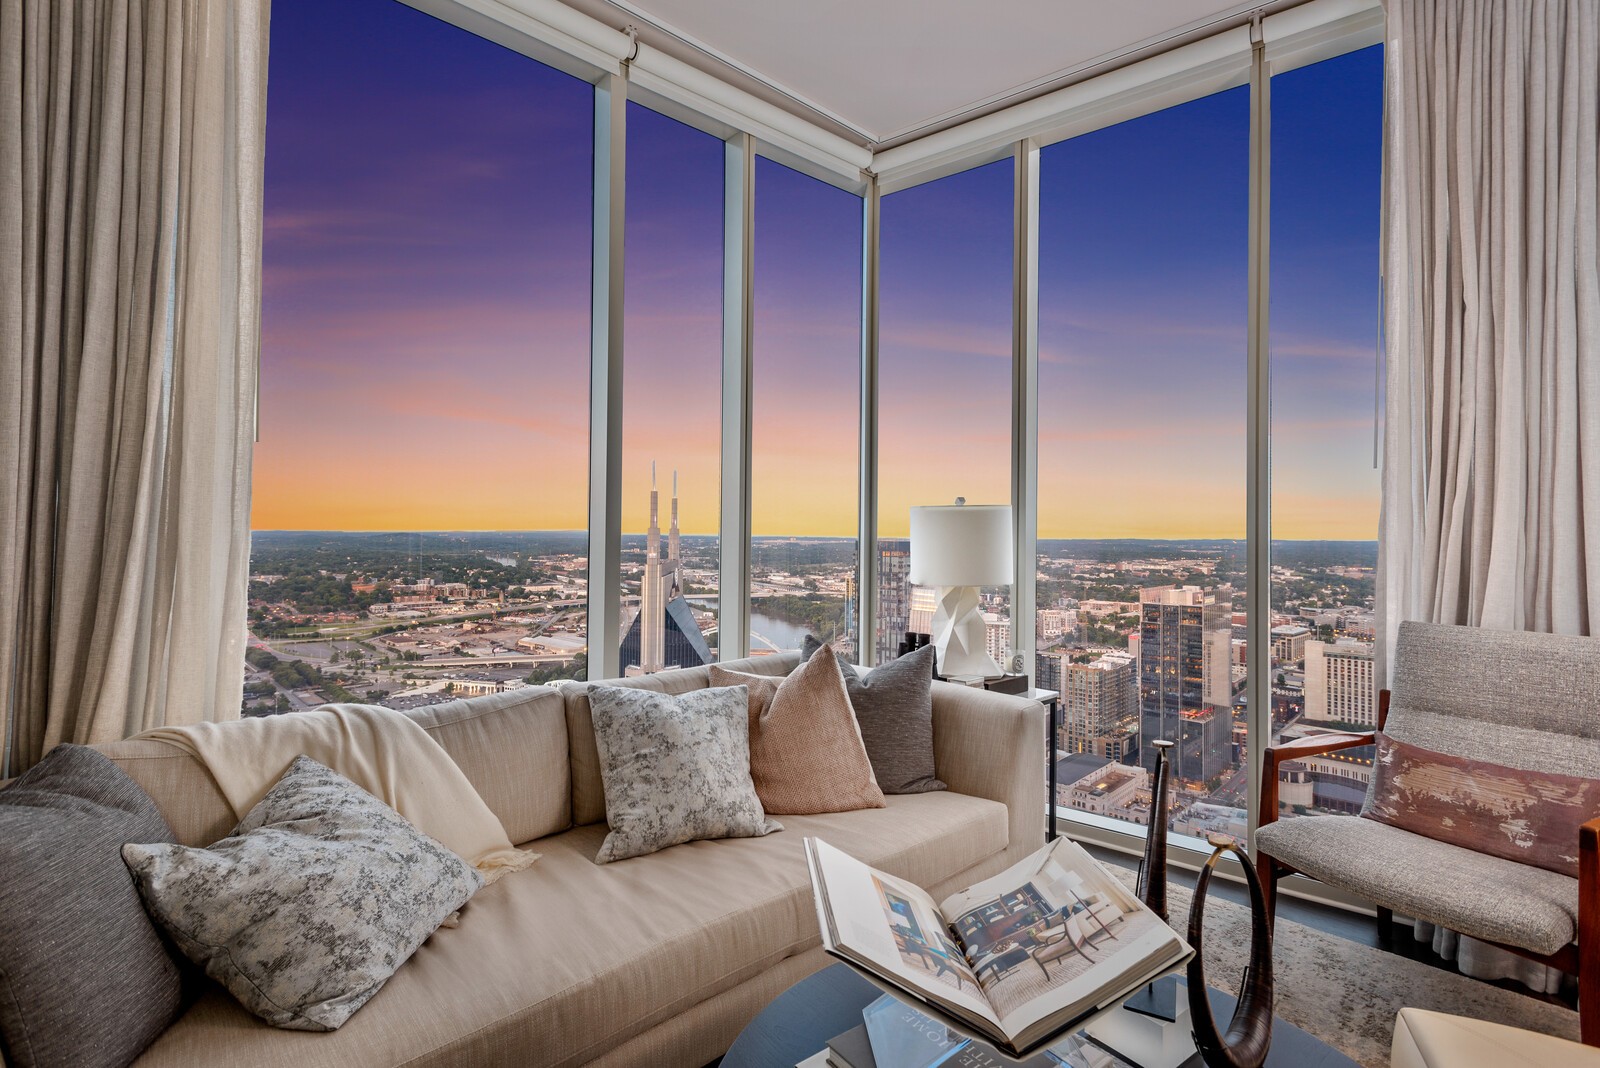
{"type": "Point", "coordinates": [887, 71]}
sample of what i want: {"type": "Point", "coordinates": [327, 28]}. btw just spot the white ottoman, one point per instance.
{"type": "Point", "coordinates": [1425, 1039]}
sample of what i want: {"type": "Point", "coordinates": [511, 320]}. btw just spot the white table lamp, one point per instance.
{"type": "Point", "coordinates": [959, 548]}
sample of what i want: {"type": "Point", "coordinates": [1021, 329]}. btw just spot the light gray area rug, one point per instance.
{"type": "Point", "coordinates": [1347, 994]}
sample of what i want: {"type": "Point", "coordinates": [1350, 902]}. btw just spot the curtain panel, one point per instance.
{"type": "Point", "coordinates": [1491, 464]}
{"type": "Point", "coordinates": [1491, 468]}
{"type": "Point", "coordinates": [131, 139]}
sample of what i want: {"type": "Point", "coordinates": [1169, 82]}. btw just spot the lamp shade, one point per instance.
{"type": "Point", "coordinates": [961, 545]}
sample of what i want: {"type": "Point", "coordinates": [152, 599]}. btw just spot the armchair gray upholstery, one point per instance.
{"type": "Point", "coordinates": [1518, 699]}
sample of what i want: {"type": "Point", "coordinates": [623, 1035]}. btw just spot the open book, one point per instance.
{"type": "Point", "coordinates": [1016, 959]}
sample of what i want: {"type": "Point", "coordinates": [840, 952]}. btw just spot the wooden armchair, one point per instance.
{"type": "Point", "coordinates": [1510, 698]}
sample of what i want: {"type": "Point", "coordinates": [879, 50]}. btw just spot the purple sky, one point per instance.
{"type": "Point", "coordinates": [425, 320]}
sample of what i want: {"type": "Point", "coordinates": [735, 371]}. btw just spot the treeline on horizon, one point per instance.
{"type": "Point", "coordinates": [336, 550]}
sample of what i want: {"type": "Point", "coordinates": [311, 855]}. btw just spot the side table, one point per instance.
{"type": "Point", "coordinates": [1052, 716]}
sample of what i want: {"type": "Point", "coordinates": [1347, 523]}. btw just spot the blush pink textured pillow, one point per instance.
{"type": "Point", "coordinates": [1530, 817]}
{"type": "Point", "coordinates": [806, 753]}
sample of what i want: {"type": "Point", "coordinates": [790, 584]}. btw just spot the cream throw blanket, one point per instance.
{"type": "Point", "coordinates": [380, 750]}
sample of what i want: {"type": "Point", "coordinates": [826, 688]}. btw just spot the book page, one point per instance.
{"type": "Point", "coordinates": [1056, 934]}
{"type": "Point", "coordinates": [894, 928]}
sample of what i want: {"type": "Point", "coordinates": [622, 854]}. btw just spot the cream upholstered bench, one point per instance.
{"type": "Point", "coordinates": [1425, 1039]}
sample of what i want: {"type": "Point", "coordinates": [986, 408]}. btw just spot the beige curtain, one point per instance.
{"type": "Point", "coordinates": [131, 136]}
{"type": "Point", "coordinates": [1491, 468]}
{"type": "Point", "coordinates": [1491, 472]}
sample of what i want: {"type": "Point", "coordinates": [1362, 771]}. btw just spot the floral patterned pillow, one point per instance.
{"type": "Point", "coordinates": [314, 901]}
{"type": "Point", "coordinates": [676, 768]}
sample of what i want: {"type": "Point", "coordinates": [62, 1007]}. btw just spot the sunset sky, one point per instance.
{"type": "Point", "coordinates": [427, 284]}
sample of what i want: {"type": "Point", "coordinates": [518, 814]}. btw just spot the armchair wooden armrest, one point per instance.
{"type": "Point", "coordinates": [1589, 933]}
{"type": "Point", "coordinates": [1299, 749]}
{"type": "Point", "coordinates": [1316, 745]}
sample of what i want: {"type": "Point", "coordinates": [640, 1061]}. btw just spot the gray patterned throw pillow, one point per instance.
{"type": "Point", "coordinates": [312, 903]}
{"type": "Point", "coordinates": [676, 768]}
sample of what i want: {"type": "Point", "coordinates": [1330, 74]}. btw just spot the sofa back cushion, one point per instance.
{"type": "Point", "coordinates": [511, 746]}
{"type": "Point", "coordinates": [588, 788]}
{"type": "Point", "coordinates": [1515, 698]}
{"type": "Point", "coordinates": [188, 797]}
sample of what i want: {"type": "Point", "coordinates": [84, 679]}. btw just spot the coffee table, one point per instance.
{"type": "Point", "coordinates": [800, 1021]}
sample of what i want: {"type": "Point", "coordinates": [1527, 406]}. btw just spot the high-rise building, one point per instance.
{"type": "Point", "coordinates": [1339, 683]}
{"type": "Point", "coordinates": [1053, 624]}
{"type": "Point", "coordinates": [1185, 685]}
{"type": "Point", "coordinates": [1099, 702]}
{"type": "Point", "coordinates": [1289, 643]}
{"type": "Point", "coordinates": [1047, 670]}
{"type": "Point", "coordinates": [997, 636]}
{"type": "Point", "coordinates": [664, 634]}
{"type": "Point", "coordinates": [894, 595]}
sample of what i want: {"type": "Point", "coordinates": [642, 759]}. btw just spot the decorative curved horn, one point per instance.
{"type": "Point", "coordinates": [1152, 887]}
{"type": "Point", "coordinates": [1250, 1030]}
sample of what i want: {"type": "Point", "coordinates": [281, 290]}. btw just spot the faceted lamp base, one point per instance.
{"type": "Point", "coordinates": [960, 638]}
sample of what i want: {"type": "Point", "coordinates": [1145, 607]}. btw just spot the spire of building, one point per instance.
{"type": "Point", "coordinates": [672, 535]}
{"type": "Point", "coordinates": [652, 605]}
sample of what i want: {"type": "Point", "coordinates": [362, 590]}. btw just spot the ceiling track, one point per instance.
{"type": "Point", "coordinates": [1238, 15]}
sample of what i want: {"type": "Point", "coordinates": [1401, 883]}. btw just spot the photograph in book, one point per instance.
{"type": "Point", "coordinates": [1048, 931]}
{"type": "Point", "coordinates": [1015, 958]}
{"type": "Point", "coordinates": [925, 945]}
{"type": "Point", "coordinates": [892, 929]}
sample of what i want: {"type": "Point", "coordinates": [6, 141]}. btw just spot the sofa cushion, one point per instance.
{"type": "Point", "coordinates": [806, 753]}
{"type": "Point", "coordinates": [894, 705]}
{"type": "Point", "coordinates": [85, 979]}
{"type": "Point", "coordinates": [588, 789]}
{"type": "Point", "coordinates": [310, 906]}
{"type": "Point", "coordinates": [512, 747]}
{"type": "Point", "coordinates": [182, 788]}
{"type": "Point", "coordinates": [564, 961]}
{"type": "Point", "coordinates": [676, 768]}
{"type": "Point", "coordinates": [1486, 897]}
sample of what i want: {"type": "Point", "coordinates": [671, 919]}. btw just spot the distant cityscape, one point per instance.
{"type": "Point", "coordinates": [1141, 639]}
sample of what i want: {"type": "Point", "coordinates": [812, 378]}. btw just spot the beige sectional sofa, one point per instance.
{"type": "Point", "coordinates": [658, 960]}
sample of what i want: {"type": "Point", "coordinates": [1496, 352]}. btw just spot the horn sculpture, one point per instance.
{"type": "Point", "coordinates": [1249, 1032]}
{"type": "Point", "coordinates": [1152, 887]}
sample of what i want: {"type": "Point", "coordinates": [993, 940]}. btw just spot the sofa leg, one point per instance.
{"type": "Point", "coordinates": [1385, 926]}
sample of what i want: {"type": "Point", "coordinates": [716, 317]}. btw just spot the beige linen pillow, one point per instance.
{"type": "Point", "coordinates": [806, 753]}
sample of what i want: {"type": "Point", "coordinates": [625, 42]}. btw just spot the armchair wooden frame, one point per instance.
{"type": "Point", "coordinates": [1586, 951]}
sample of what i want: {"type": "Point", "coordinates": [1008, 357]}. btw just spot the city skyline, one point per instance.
{"type": "Point", "coordinates": [427, 210]}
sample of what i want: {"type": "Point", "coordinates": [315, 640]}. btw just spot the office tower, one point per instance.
{"type": "Point", "coordinates": [1185, 687]}
{"type": "Point", "coordinates": [997, 637]}
{"type": "Point", "coordinates": [894, 596]}
{"type": "Point", "coordinates": [664, 634]}
{"type": "Point", "coordinates": [1339, 684]}
{"type": "Point", "coordinates": [1047, 669]}
{"type": "Point", "coordinates": [1099, 706]}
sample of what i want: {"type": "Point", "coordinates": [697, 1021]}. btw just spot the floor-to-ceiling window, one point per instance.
{"type": "Point", "coordinates": [672, 394]}
{"type": "Point", "coordinates": [1327, 130]}
{"type": "Point", "coordinates": [805, 420]}
{"type": "Point", "coordinates": [944, 380]}
{"type": "Point", "coordinates": [1142, 413]}
{"type": "Point", "coordinates": [420, 481]}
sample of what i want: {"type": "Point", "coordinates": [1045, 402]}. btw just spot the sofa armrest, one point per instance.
{"type": "Point", "coordinates": [992, 745]}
